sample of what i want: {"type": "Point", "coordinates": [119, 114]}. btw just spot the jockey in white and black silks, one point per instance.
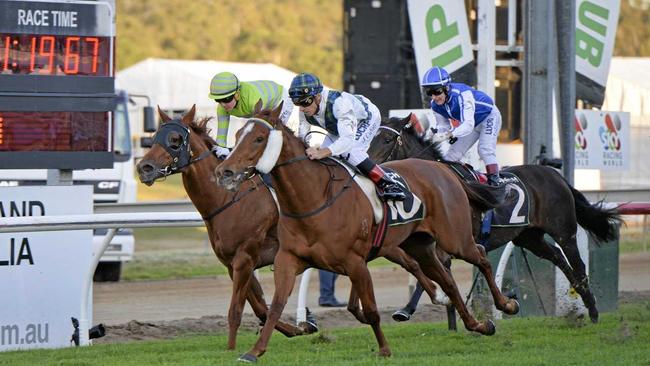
{"type": "Point", "coordinates": [351, 121]}
{"type": "Point", "coordinates": [470, 115]}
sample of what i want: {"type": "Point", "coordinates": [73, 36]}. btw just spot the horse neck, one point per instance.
{"type": "Point", "coordinates": [198, 179]}
{"type": "Point", "coordinates": [415, 148]}
{"type": "Point", "coordinates": [299, 185]}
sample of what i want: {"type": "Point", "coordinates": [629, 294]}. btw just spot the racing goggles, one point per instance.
{"type": "Point", "coordinates": [434, 91]}
{"type": "Point", "coordinates": [303, 102]}
{"type": "Point", "coordinates": [227, 99]}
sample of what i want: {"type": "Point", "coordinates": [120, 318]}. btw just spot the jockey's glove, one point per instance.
{"type": "Point", "coordinates": [221, 152]}
{"type": "Point", "coordinates": [441, 136]}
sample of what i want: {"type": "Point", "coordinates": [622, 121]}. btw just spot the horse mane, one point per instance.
{"type": "Point", "coordinates": [200, 127]}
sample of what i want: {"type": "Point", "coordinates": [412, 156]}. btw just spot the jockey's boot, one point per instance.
{"type": "Point", "coordinates": [493, 174]}
{"type": "Point", "coordinates": [388, 188]}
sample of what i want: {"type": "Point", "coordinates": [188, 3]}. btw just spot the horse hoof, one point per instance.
{"type": "Point", "coordinates": [385, 352]}
{"type": "Point", "coordinates": [490, 328]}
{"type": "Point", "coordinates": [246, 357]}
{"type": "Point", "coordinates": [308, 327]}
{"type": "Point", "coordinates": [401, 316]}
{"type": "Point", "coordinates": [513, 307]}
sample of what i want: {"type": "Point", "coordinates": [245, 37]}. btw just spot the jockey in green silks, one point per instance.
{"type": "Point", "coordinates": [235, 98]}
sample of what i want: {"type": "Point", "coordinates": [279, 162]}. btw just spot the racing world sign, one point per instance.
{"type": "Point", "coordinates": [602, 140]}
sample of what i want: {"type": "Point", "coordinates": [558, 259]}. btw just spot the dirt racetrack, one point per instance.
{"type": "Point", "coordinates": [165, 309]}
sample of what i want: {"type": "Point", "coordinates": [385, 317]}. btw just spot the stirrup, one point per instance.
{"type": "Point", "coordinates": [396, 195]}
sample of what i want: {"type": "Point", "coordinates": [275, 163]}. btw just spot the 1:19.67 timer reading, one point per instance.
{"type": "Point", "coordinates": [37, 54]}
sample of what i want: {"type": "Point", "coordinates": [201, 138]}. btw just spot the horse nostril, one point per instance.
{"type": "Point", "coordinates": [228, 173]}
{"type": "Point", "coordinates": [145, 168]}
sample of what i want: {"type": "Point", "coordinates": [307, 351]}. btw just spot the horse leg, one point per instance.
{"type": "Point", "coordinates": [405, 313]}
{"type": "Point", "coordinates": [259, 306]}
{"type": "Point", "coordinates": [475, 254]}
{"type": "Point", "coordinates": [240, 270]}
{"type": "Point", "coordinates": [580, 280]}
{"type": "Point", "coordinates": [286, 266]}
{"type": "Point", "coordinates": [436, 271]}
{"type": "Point", "coordinates": [354, 308]}
{"type": "Point", "coordinates": [362, 283]}
{"type": "Point", "coordinates": [399, 256]}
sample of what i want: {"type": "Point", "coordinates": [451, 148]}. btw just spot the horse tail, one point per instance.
{"type": "Point", "coordinates": [482, 196]}
{"type": "Point", "coordinates": [602, 223]}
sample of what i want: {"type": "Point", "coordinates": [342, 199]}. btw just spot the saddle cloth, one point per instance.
{"type": "Point", "coordinates": [515, 210]}
{"type": "Point", "coordinates": [400, 212]}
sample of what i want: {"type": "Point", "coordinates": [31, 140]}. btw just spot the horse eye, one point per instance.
{"type": "Point", "coordinates": [388, 140]}
{"type": "Point", "coordinates": [259, 139]}
{"type": "Point", "coordinates": [174, 142]}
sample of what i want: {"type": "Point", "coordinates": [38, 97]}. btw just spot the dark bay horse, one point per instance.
{"type": "Point", "coordinates": [327, 222]}
{"type": "Point", "coordinates": [556, 208]}
{"type": "Point", "coordinates": [242, 226]}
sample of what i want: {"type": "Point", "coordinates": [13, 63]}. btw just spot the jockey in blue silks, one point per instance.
{"type": "Point", "coordinates": [470, 115]}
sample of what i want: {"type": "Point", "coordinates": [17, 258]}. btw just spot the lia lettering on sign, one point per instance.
{"type": "Point", "coordinates": [17, 257]}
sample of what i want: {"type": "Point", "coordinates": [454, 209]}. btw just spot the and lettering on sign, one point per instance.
{"type": "Point", "coordinates": [47, 18]}
{"type": "Point", "coordinates": [22, 208]}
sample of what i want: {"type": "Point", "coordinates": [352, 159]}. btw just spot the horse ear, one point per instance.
{"type": "Point", "coordinates": [163, 116]}
{"type": "Point", "coordinates": [189, 116]}
{"type": "Point", "coordinates": [258, 107]}
{"type": "Point", "coordinates": [275, 114]}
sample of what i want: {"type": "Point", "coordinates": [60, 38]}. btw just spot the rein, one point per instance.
{"type": "Point", "coordinates": [179, 155]}
{"type": "Point", "coordinates": [330, 201]}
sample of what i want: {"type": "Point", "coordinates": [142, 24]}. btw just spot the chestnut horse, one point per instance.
{"type": "Point", "coordinates": [556, 208]}
{"type": "Point", "coordinates": [242, 226]}
{"type": "Point", "coordinates": [317, 229]}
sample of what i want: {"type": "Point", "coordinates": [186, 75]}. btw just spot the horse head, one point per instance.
{"type": "Point", "coordinates": [258, 147]}
{"type": "Point", "coordinates": [173, 147]}
{"type": "Point", "coordinates": [398, 139]}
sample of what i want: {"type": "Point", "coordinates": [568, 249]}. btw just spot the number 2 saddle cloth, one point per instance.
{"type": "Point", "coordinates": [516, 206]}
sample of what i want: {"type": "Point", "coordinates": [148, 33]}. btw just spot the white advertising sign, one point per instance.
{"type": "Point", "coordinates": [596, 22]}
{"type": "Point", "coordinates": [602, 140]}
{"type": "Point", "coordinates": [42, 273]}
{"type": "Point", "coordinates": [440, 34]}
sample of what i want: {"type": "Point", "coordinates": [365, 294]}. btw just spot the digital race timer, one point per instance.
{"type": "Point", "coordinates": [29, 54]}
{"type": "Point", "coordinates": [57, 85]}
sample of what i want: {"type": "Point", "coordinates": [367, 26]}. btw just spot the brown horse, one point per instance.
{"type": "Point", "coordinates": [242, 226]}
{"type": "Point", "coordinates": [317, 229]}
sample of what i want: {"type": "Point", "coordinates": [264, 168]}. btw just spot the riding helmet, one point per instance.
{"type": "Point", "coordinates": [304, 85]}
{"type": "Point", "coordinates": [223, 85]}
{"type": "Point", "coordinates": [436, 76]}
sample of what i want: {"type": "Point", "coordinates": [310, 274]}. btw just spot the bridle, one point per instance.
{"type": "Point", "coordinates": [250, 171]}
{"type": "Point", "coordinates": [181, 157]}
{"type": "Point", "coordinates": [398, 142]}
{"type": "Point", "coordinates": [181, 154]}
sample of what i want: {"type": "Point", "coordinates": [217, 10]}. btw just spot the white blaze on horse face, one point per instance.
{"type": "Point", "coordinates": [271, 152]}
